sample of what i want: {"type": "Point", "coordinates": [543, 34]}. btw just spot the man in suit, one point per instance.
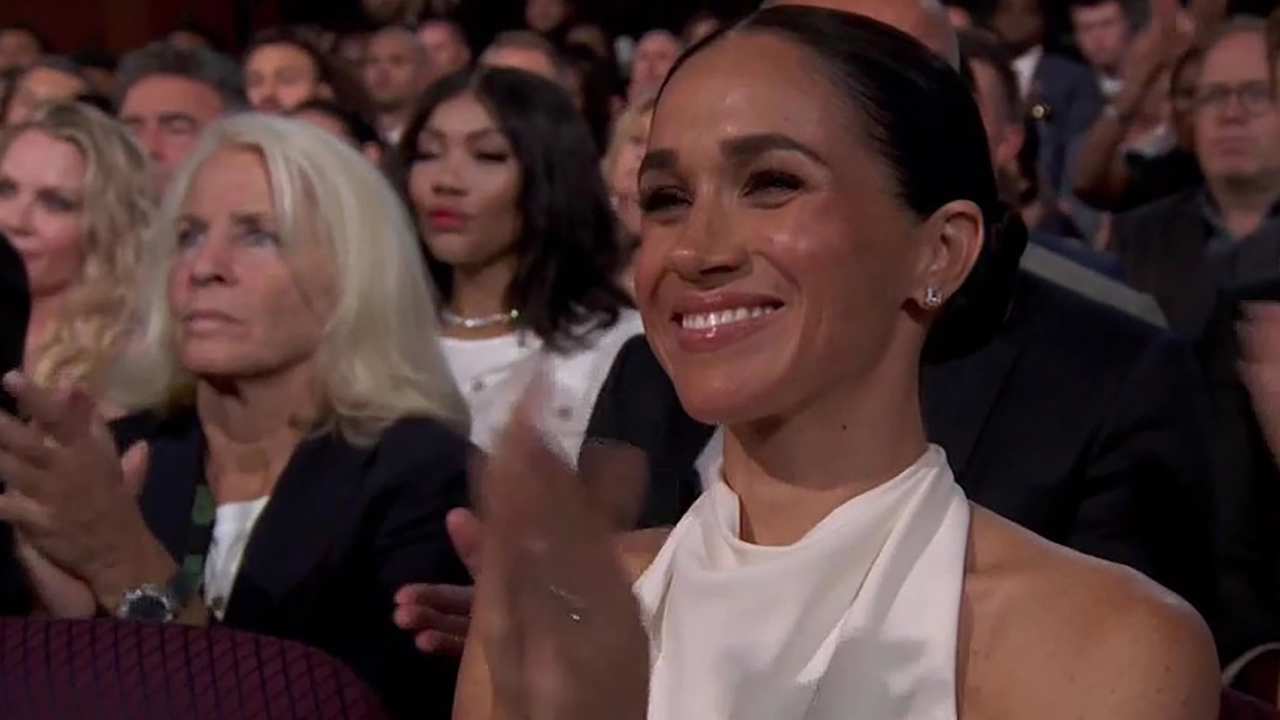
{"type": "Point", "coordinates": [1226, 232]}
{"type": "Point", "coordinates": [1063, 95]}
{"type": "Point", "coordinates": [1078, 421]}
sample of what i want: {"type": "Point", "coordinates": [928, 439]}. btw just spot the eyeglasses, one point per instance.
{"type": "Point", "coordinates": [1256, 97]}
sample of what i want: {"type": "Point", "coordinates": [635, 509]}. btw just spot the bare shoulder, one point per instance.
{"type": "Point", "coordinates": [637, 550]}
{"type": "Point", "coordinates": [1050, 633]}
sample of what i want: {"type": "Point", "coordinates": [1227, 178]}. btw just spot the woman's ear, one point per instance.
{"type": "Point", "coordinates": [952, 240]}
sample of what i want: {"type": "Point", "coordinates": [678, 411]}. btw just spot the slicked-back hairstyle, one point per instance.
{"type": "Point", "coordinates": [923, 121]}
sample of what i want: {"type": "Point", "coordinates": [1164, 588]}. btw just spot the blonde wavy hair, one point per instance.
{"type": "Point", "coordinates": [380, 358]}
{"type": "Point", "coordinates": [93, 321]}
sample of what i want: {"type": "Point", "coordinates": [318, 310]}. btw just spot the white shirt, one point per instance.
{"type": "Point", "coordinates": [232, 525]}
{"type": "Point", "coordinates": [858, 620]}
{"type": "Point", "coordinates": [493, 374]}
{"type": "Point", "coordinates": [1024, 66]}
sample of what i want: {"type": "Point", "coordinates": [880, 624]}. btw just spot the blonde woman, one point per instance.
{"type": "Point", "coordinates": [74, 201]}
{"type": "Point", "coordinates": [303, 440]}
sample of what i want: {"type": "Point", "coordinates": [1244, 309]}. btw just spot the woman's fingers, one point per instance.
{"type": "Point", "coordinates": [424, 617]}
{"type": "Point", "coordinates": [467, 535]}
{"type": "Point", "coordinates": [434, 643]}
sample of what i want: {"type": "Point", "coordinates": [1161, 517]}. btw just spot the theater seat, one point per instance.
{"type": "Point", "coordinates": [82, 669]}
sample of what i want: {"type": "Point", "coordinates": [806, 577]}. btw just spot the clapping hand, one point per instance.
{"type": "Point", "coordinates": [555, 620]}
{"type": "Point", "coordinates": [73, 500]}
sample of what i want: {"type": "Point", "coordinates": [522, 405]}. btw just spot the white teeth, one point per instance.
{"type": "Point", "coordinates": [707, 321]}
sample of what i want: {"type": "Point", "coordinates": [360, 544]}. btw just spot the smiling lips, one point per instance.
{"type": "Point", "coordinates": [708, 324]}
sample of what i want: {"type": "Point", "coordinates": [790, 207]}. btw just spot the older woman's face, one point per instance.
{"type": "Point", "coordinates": [245, 302]}
{"type": "Point", "coordinates": [776, 260]}
{"type": "Point", "coordinates": [42, 209]}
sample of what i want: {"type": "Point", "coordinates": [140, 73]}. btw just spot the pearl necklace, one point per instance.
{"type": "Point", "coordinates": [454, 320]}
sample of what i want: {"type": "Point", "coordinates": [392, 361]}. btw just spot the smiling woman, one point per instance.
{"type": "Point", "coordinates": [819, 213]}
{"type": "Point", "coordinates": [292, 394]}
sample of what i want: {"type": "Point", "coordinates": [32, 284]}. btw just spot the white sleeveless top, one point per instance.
{"type": "Point", "coordinates": [856, 621]}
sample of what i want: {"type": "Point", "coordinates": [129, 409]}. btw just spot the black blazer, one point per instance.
{"type": "Point", "coordinates": [1077, 422]}
{"type": "Point", "coordinates": [345, 528]}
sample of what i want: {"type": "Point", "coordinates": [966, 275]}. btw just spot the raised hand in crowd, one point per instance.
{"type": "Point", "coordinates": [439, 616]}
{"type": "Point", "coordinates": [1259, 333]}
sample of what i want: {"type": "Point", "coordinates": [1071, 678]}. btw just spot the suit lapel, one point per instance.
{"type": "Point", "coordinates": [315, 502]}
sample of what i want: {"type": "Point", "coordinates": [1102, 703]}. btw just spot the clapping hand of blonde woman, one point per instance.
{"type": "Point", "coordinates": [556, 632]}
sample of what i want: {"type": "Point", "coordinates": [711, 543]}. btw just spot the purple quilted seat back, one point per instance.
{"type": "Point", "coordinates": [82, 669]}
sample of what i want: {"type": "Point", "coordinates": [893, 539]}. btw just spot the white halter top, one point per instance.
{"type": "Point", "coordinates": [856, 621]}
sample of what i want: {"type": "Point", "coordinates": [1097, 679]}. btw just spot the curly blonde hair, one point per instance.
{"type": "Point", "coordinates": [93, 320]}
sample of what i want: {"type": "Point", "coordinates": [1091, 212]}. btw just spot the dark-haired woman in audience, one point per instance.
{"type": "Point", "coordinates": [819, 214]}
{"type": "Point", "coordinates": [301, 440]}
{"type": "Point", "coordinates": [505, 180]}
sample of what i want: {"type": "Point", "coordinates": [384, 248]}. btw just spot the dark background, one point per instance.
{"type": "Point", "coordinates": [120, 25]}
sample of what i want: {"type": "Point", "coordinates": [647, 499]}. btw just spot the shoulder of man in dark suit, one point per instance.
{"type": "Point", "coordinates": [1121, 410]}
{"type": "Point", "coordinates": [1136, 230]}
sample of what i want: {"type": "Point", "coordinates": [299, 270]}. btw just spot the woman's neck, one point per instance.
{"type": "Point", "coordinates": [481, 292]}
{"type": "Point", "coordinates": [789, 473]}
{"type": "Point", "coordinates": [252, 428]}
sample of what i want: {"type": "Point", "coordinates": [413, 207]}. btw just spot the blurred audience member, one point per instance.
{"type": "Point", "coordinates": [655, 54]}
{"type": "Point", "coordinates": [591, 35]}
{"type": "Point", "coordinates": [74, 201]}
{"type": "Point", "coordinates": [1103, 32]}
{"type": "Point", "coordinates": [446, 46]}
{"type": "Point", "coordinates": [1063, 95]}
{"type": "Point", "coordinates": [192, 37]}
{"type": "Point", "coordinates": [621, 164]}
{"type": "Point", "coordinates": [1226, 232]}
{"type": "Point", "coordinates": [1141, 149]}
{"type": "Point", "coordinates": [350, 49]}
{"type": "Point", "coordinates": [959, 14]}
{"type": "Point", "coordinates": [520, 238]}
{"type": "Point", "coordinates": [392, 12]}
{"type": "Point", "coordinates": [99, 68]}
{"type": "Point", "coordinates": [549, 17]}
{"type": "Point", "coordinates": [49, 79]}
{"type": "Point", "coordinates": [527, 51]}
{"type": "Point", "coordinates": [350, 126]}
{"type": "Point", "coordinates": [167, 95]}
{"type": "Point", "coordinates": [595, 88]}
{"type": "Point", "coordinates": [396, 71]}
{"type": "Point", "coordinates": [19, 46]}
{"type": "Point", "coordinates": [702, 25]}
{"type": "Point", "coordinates": [293, 391]}
{"type": "Point", "coordinates": [281, 72]}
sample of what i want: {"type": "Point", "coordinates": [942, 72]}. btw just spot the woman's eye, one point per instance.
{"type": "Point", "coordinates": [772, 181]}
{"type": "Point", "coordinates": [493, 157]}
{"type": "Point", "coordinates": [261, 238]}
{"type": "Point", "coordinates": [187, 237]}
{"type": "Point", "coordinates": [425, 156]}
{"type": "Point", "coordinates": [661, 199]}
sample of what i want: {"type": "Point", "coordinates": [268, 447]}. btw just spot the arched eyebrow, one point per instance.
{"type": "Point", "coordinates": [739, 151]}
